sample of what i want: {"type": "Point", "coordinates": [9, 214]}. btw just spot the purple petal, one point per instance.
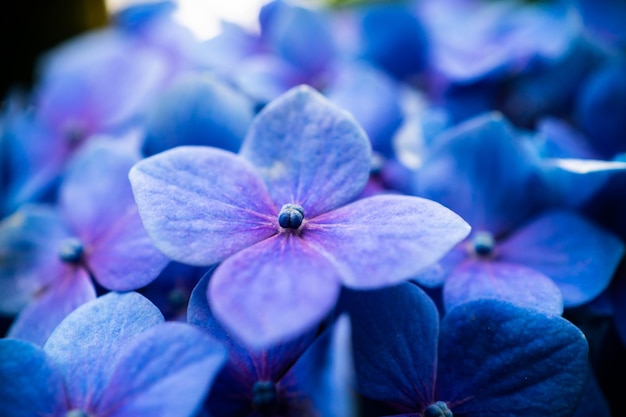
{"type": "Point", "coordinates": [124, 258]}
{"type": "Point", "coordinates": [165, 371]}
{"type": "Point", "coordinates": [499, 359]}
{"type": "Point", "coordinates": [383, 239]}
{"type": "Point", "coordinates": [308, 151]}
{"type": "Point", "coordinates": [36, 322]}
{"type": "Point", "coordinates": [394, 334]}
{"type": "Point", "coordinates": [577, 255]}
{"type": "Point", "coordinates": [87, 341]}
{"type": "Point", "coordinates": [95, 192]}
{"type": "Point", "coordinates": [200, 205]}
{"type": "Point", "coordinates": [274, 290]}
{"type": "Point", "coordinates": [31, 386]}
{"type": "Point", "coordinates": [517, 284]}
{"type": "Point", "coordinates": [29, 260]}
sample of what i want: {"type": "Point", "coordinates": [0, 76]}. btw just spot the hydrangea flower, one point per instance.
{"type": "Point", "coordinates": [50, 254]}
{"type": "Point", "coordinates": [311, 375]}
{"type": "Point", "coordinates": [114, 356]}
{"type": "Point", "coordinates": [486, 357]}
{"type": "Point", "coordinates": [517, 252]}
{"type": "Point", "coordinates": [277, 216]}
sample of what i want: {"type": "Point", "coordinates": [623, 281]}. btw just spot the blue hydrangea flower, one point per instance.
{"type": "Point", "coordinates": [486, 357]}
{"type": "Point", "coordinates": [114, 356]}
{"type": "Point", "coordinates": [517, 252]}
{"type": "Point", "coordinates": [277, 217]}
{"type": "Point", "coordinates": [50, 254]}
{"type": "Point", "coordinates": [311, 375]}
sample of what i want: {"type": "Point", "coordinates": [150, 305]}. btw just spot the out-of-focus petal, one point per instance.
{"type": "Point", "coordinates": [577, 255]}
{"type": "Point", "coordinates": [165, 371]}
{"type": "Point", "coordinates": [308, 151]}
{"type": "Point", "coordinates": [31, 386]}
{"type": "Point", "coordinates": [200, 204]}
{"type": "Point", "coordinates": [517, 284]}
{"type": "Point", "coordinates": [43, 314]}
{"type": "Point", "coordinates": [88, 340]}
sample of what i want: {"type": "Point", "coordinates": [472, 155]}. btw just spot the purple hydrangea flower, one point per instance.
{"type": "Point", "coordinates": [114, 356]}
{"type": "Point", "coordinates": [50, 254]}
{"type": "Point", "coordinates": [277, 217]}
{"type": "Point", "coordinates": [486, 357]}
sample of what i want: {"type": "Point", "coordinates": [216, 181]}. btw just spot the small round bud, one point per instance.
{"type": "Point", "coordinates": [71, 250]}
{"type": "Point", "coordinates": [264, 396]}
{"type": "Point", "coordinates": [438, 409]}
{"type": "Point", "coordinates": [483, 244]}
{"type": "Point", "coordinates": [290, 216]}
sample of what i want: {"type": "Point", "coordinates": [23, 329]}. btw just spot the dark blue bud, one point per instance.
{"type": "Point", "coordinates": [71, 250]}
{"type": "Point", "coordinates": [438, 409]}
{"type": "Point", "coordinates": [264, 396]}
{"type": "Point", "coordinates": [483, 244]}
{"type": "Point", "coordinates": [290, 216]}
{"type": "Point", "coordinates": [77, 413]}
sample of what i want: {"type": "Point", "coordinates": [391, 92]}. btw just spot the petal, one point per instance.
{"type": "Point", "coordinates": [577, 255]}
{"type": "Point", "coordinates": [321, 380]}
{"type": "Point", "coordinates": [124, 258]}
{"type": "Point", "coordinates": [200, 205]}
{"type": "Point", "coordinates": [231, 393]}
{"type": "Point", "coordinates": [514, 283]}
{"type": "Point", "coordinates": [35, 388]}
{"type": "Point", "coordinates": [273, 291]}
{"type": "Point", "coordinates": [198, 110]}
{"type": "Point", "coordinates": [383, 239]}
{"type": "Point", "coordinates": [394, 335]}
{"type": "Point", "coordinates": [87, 341]}
{"type": "Point", "coordinates": [95, 191]}
{"type": "Point", "coordinates": [481, 171]}
{"type": "Point", "coordinates": [499, 359]}
{"type": "Point", "coordinates": [29, 260]}
{"type": "Point", "coordinates": [308, 151]}
{"type": "Point", "coordinates": [164, 371]}
{"type": "Point", "coordinates": [43, 314]}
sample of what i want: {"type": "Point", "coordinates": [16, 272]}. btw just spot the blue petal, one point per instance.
{"type": "Point", "coordinates": [384, 239]}
{"type": "Point", "coordinates": [164, 371]}
{"type": "Point", "coordinates": [499, 359]}
{"type": "Point", "coordinates": [31, 386]}
{"type": "Point", "coordinates": [85, 344]}
{"type": "Point", "coordinates": [308, 151]}
{"type": "Point", "coordinates": [29, 258]}
{"type": "Point", "coordinates": [44, 313]}
{"type": "Point", "coordinates": [480, 171]}
{"type": "Point", "coordinates": [517, 284]}
{"type": "Point", "coordinates": [198, 110]}
{"type": "Point", "coordinates": [200, 205]}
{"type": "Point", "coordinates": [577, 255]}
{"type": "Point", "coordinates": [394, 336]}
{"type": "Point", "coordinates": [264, 296]}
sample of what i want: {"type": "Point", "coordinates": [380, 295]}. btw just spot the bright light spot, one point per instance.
{"type": "Point", "coordinates": [203, 17]}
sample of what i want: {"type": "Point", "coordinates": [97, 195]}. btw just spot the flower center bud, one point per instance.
{"type": "Point", "coordinates": [438, 409]}
{"type": "Point", "coordinates": [290, 216]}
{"type": "Point", "coordinates": [483, 244]}
{"type": "Point", "coordinates": [264, 396]}
{"type": "Point", "coordinates": [77, 413]}
{"type": "Point", "coordinates": [71, 250]}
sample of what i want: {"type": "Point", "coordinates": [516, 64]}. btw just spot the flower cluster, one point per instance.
{"type": "Point", "coordinates": [400, 208]}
